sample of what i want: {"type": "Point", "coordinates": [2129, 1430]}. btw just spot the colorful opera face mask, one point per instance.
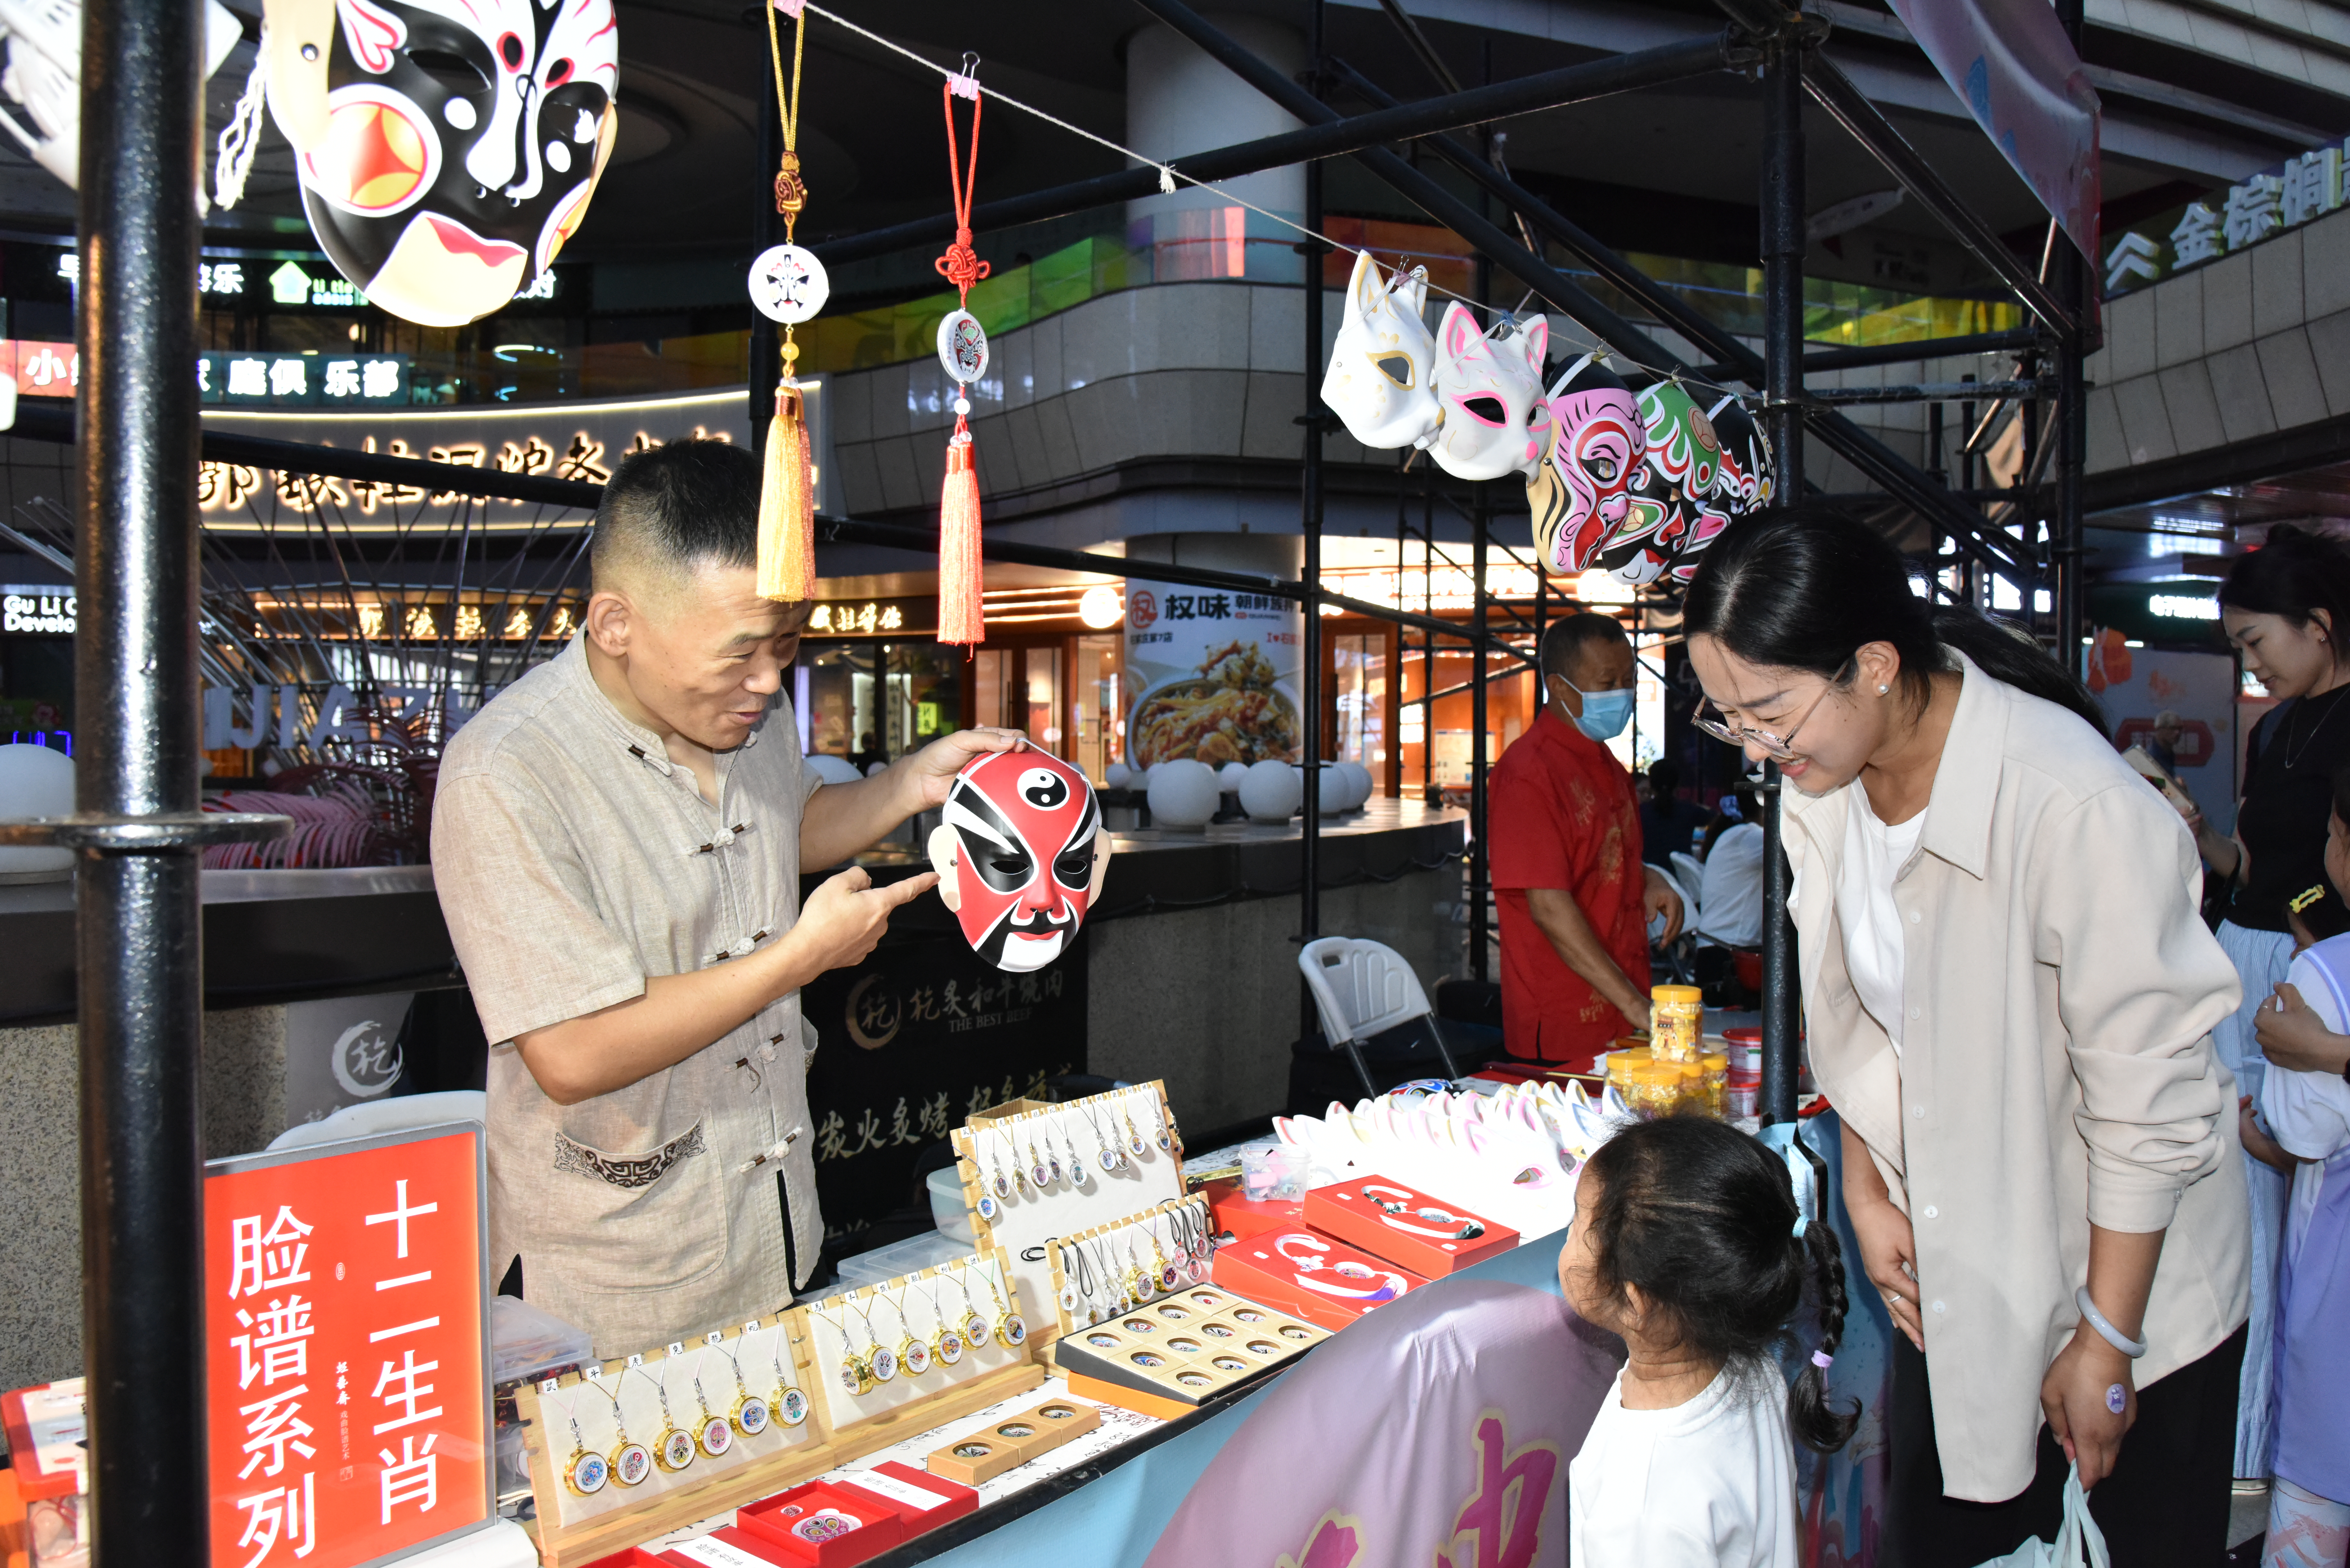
{"type": "Point", "coordinates": [1383, 363]}
{"type": "Point", "coordinates": [1580, 496]}
{"type": "Point", "coordinates": [446, 149]}
{"type": "Point", "coordinates": [1020, 855]}
{"type": "Point", "coordinates": [1495, 420]}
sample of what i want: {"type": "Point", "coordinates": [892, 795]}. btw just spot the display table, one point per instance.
{"type": "Point", "coordinates": [1360, 1436]}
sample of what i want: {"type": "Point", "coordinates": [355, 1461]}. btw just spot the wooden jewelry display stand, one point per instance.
{"type": "Point", "coordinates": [798, 1345]}
{"type": "Point", "coordinates": [1029, 1133]}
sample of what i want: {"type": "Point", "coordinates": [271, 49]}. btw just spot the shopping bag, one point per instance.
{"type": "Point", "coordinates": [2079, 1542]}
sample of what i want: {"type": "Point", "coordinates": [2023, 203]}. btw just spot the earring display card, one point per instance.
{"type": "Point", "coordinates": [846, 1330]}
{"type": "Point", "coordinates": [1130, 1262]}
{"type": "Point", "coordinates": [1305, 1272]}
{"type": "Point", "coordinates": [624, 1437]}
{"type": "Point", "coordinates": [1405, 1225]}
{"type": "Point", "coordinates": [1032, 1172]}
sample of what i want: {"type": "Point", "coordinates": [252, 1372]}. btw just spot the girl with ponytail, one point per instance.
{"type": "Point", "coordinates": [1687, 1241]}
{"type": "Point", "coordinates": [2009, 996]}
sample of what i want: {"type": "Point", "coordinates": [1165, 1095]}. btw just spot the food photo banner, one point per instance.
{"type": "Point", "coordinates": [1213, 676]}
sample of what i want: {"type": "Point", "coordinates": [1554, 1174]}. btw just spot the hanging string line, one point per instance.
{"type": "Point", "coordinates": [1169, 173]}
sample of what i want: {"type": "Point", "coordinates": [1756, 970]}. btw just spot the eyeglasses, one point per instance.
{"type": "Point", "coordinates": [1763, 740]}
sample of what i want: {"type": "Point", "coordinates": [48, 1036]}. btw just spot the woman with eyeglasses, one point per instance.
{"type": "Point", "coordinates": [2009, 996]}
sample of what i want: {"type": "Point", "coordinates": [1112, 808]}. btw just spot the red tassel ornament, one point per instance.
{"type": "Point", "coordinates": [963, 351]}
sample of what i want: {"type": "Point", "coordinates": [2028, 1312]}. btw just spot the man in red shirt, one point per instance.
{"type": "Point", "coordinates": [1563, 831]}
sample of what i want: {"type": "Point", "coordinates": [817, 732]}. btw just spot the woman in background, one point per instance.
{"type": "Point", "coordinates": [2010, 993]}
{"type": "Point", "coordinates": [2285, 607]}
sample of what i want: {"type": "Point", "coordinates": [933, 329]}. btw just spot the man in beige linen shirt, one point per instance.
{"type": "Point", "coordinates": [618, 840]}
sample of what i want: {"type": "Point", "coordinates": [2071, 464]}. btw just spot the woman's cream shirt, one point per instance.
{"type": "Point", "coordinates": [2057, 1066]}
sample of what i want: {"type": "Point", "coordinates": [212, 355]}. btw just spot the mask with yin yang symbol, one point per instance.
{"type": "Point", "coordinates": [446, 149]}
{"type": "Point", "coordinates": [1020, 855]}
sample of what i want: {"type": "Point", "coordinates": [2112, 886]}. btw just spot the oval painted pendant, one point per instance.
{"type": "Point", "coordinates": [587, 1473]}
{"type": "Point", "coordinates": [1109, 1160]}
{"type": "Point", "coordinates": [1014, 1330]}
{"type": "Point", "coordinates": [1003, 1186]}
{"type": "Point", "coordinates": [631, 1463]}
{"type": "Point", "coordinates": [1069, 1298]}
{"type": "Point", "coordinates": [948, 1348]}
{"type": "Point", "coordinates": [676, 1449]}
{"type": "Point", "coordinates": [884, 1364]}
{"type": "Point", "coordinates": [1167, 1278]}
{"type": "Point", "coordinates": [1037, 1174]}
{"type": "Point", "coordinates": [793, 1408]}
{"type": "Point", "coordinates": [1077, 1171]}
{"type": "Point", "coordinates": [717, 1437]}
{"type": "Point", "coordinates": [915, 1355]}
{"type": "Point", "coordinates": [751, 1416]}
{"type": "Point", "coordinates": [975, 1332]}
{"type": "Point", "coordinates": [989, 1207]}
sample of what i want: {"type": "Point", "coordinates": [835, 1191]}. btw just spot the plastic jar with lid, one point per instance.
{"type": "Point", "coordinates": [1622, 1061]}
{"type": "Point", "coordinates": [1678, 1027]}
{"type": "Point", "coordinates": [1653, 1088]}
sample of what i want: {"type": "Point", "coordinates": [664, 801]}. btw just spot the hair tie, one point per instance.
{"type": "Point", "coordinates": [1823, 1360]}
{"type": "Point", "coordinates": [1802, 1225]}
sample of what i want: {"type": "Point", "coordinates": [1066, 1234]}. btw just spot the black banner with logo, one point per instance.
{"type": "Point", "coordinates": [916, 1038]}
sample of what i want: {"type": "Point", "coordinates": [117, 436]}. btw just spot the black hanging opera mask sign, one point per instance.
{"type": "Point", "coordinates": [447, 148]}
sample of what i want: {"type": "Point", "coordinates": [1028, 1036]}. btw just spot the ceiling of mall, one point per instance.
{"type": "Point", "coordinates": [683, 180]}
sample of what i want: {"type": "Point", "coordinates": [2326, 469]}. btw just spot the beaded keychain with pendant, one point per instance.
{"type": "Point", "coordinates": [1078, 1174]}
{"type": "Point", "coordinates": [631, 1463]}
{"type": "Point", "coordinates": [1004, 1186]}
{"type": "Point", "coordinates": [879, 1357]}
{"type": "Point", "coordinates": [717, 1433]}
{"type": "Point", "coordinates": [1009, 1326]}
{"type": "Point", "coordinates": [1133, 1139]}
{"type": "Point", "coordinates": [674, 1450]}
{"type": "Point", "coordinates": [1051, 1160]}
{"type": "Point", "coordinates": [1167, 1278]}
{"type": "Point", "coordinates": [1068, 1297]}
{"type": "Point", "coordinates": [751, 1413]}
{"type": "Point", "coordinates": [1109, 1151]}
{"type": "Point", "coordinates": [975, 1330]}
{"type": "Point", "coordinates": [584, 1472]}
{"type": "Point", "coordinates": [1019, 1171]}
{"type": "Point", "coordinates": [1166, 1135]}
{"type": "Point", "coordinates": [788, 1402]}
{"type": "Point", "coordinates": [913, 1353]}
{"type": "Point", "coordinates": [1038, 1170]}
{"type": "Point", "coordinates": [946, 1345]}
{"type": "Point", "coordinates": [1146, 1277]}
{"type": "Point", "coordinates": [856, 1372]}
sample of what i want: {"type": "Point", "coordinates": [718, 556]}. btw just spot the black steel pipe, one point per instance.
{"type": "Point", "coordinates": [1328, 139]}
{"type": "Point", "coordinates": [2074, 288]}
{"type": "Point", "coordinates": [2036, 390]}
{"type": "Point", "coordinates": [1834, 92]}
{"type": "Point", "coordinates": [925, 541]}
{"type": "Point", "coordinates": [1782, 243]}
{"type": "Point", "coordinates": [1901, 479]}
{"type": "Point", "coordinates": [1922, 348]}
{"type": "Point", "coordinates": [138, 931]}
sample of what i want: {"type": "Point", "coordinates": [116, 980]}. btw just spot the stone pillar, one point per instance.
{"type": "Point", "coordinates": [1178, 100]}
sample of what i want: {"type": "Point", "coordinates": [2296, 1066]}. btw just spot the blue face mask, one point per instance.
{"type": "Point", "coordinates": [1605, 713]}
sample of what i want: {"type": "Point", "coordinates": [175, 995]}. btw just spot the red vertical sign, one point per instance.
{"type": "Point", "coordinates": [347, 1398]}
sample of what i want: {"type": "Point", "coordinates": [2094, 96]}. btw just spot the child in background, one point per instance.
{"type": "Point", "coordinates": [1687, 1241]}
{"type": "Point", "coordinates": [2303, 1128]}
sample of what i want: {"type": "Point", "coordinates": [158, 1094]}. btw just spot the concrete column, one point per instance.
{"type": "Point", "coordinates": [1178, 100]}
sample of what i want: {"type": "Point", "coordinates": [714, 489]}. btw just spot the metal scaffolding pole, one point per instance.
{"type": "Point", "coordinates": [1783, 422]}
{"type": "Point", "coordinates": [1480, 861]}
{"type": "Point", "coordinates": [137, 831]}
{"type": "Point", "coordinates": [2073, 290]}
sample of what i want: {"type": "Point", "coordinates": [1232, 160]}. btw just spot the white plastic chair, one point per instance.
{"type": "Point", "coordinates": [1362, 988]}
{"type": "Point", "coordinates": [1689, 871]}
{"type": "Point", "coordinates": [396, 1114]}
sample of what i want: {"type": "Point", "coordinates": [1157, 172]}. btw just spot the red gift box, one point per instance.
{"type": "Point", "coordinates": [1242, 1218]}
{"type": "Point", "coordinates": [1428, 1244]}
{"type": "Point", "coordinates": [879, 1526]}
{"type": "Point", "coordinates": [1308, 1275]}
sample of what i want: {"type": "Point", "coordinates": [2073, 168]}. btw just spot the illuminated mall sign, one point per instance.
{"type": "Point", "coordinates": [39, 610]}
{"type": "Point", "coordinates": [581, 441]}
{"type": "Point", "coordinates": [874, 617]}
{"type": "Point", "coordinates": [301, 380]}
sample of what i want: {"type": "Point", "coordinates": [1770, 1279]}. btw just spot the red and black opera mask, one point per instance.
{"type": "Point", "coordinates": [1020, 855]}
